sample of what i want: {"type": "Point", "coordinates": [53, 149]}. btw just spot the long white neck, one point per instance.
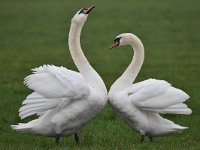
{"type": "Point", "coordinates": [130, 74]}
{"type": "Point", "coordinates": [90, 75]}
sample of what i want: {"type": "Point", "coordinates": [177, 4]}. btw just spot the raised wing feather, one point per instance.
{"type": "Point", "coordinates": [158, 96]}
{"type": "Point", "coordinates": [37, 104]}
{"type": "Point", "coordinates": [57, 82]}
{"type": "Point", "coordinates": [52, 86]}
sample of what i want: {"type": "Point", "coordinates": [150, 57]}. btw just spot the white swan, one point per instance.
{"type": "Point", "coordinates": [141, 103]}
{"type": "Point", "coordinates": [64, 100]}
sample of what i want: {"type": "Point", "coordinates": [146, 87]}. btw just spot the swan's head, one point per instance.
{"type": "Point", "coordinates": [123, 39]}
{"type": "Point", "coordinates": [81, 16]}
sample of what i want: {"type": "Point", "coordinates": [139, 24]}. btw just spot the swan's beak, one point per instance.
{"type": "Point", "coordinates": [115, 44]}
{"type": "Point", "coordinates": [88, 10]}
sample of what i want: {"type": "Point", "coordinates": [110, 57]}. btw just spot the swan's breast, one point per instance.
{"type": "Point", "coordinates": [135, 118]}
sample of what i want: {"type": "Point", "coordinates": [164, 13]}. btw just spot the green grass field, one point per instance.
{"type": "Point", "coordinates": [33, 33]}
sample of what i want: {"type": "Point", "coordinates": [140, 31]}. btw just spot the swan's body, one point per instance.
{"type": "Point", "coordinates": [64, 100]}
{"type": "Point", "coordinates": [141, 104]}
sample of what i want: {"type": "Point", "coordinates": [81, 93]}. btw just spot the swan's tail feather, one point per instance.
{"type": "Point", "coordinates": [178, 128]}
{"type": "Point", "coordinates": [22, 127]}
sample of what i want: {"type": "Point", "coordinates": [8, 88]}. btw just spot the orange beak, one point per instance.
{"type": "Point", "coordinates": [115, 44]}
{"type": "Point", "coordinates": [87, 11]}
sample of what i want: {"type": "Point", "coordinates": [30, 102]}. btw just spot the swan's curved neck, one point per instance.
{"type": "Point", "coordinates": [91, 76]}
{"type": "Point", "coordinates": [75, 49]}
{"type": "Point", "coordinates": [130, 74]}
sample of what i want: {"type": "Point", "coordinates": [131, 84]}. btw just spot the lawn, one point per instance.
{"type": "Point", "coordinates": [33, 33]}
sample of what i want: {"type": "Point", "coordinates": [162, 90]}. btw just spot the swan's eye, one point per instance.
{"type": "Point", "coordinates": [117, 40]}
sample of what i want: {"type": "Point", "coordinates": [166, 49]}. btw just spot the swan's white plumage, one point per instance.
{"type": "Point", "coordinates": [52, 86]}
{"type": "Point", "coordinates": [63, 99]}
{"type": "Point", "coordinates": [52, 81]}
{"type": "Point", "coordinates": [140, 104]}
{"type": "Point", "coordinates": [158, 96]}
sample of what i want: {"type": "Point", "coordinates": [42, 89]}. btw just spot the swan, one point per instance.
{"type": "Point", "coordinates": [63, 99]}
{"type": "Point", "coordinates": [140, 104]}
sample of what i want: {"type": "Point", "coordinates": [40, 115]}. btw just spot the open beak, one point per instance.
{"type": "Point", "coordinates": [88, 10]}
{"type": "Point", "coordinates": [115, 44]}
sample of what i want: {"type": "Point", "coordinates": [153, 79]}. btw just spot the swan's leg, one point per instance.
{"type": "Point", "coordinates": [142, 138]}
{"type": "Point", "coordinates": [57, 139]}
{"type": "Point", "coordinates": [150, 138]}
{"type": "Point", "coordinates": [57, 130]}
{"type": "Point", "coordinates": [77, 138]}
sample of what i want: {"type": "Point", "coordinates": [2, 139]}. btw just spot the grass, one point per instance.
{"type": "Point", "coordinates": [35, 32]}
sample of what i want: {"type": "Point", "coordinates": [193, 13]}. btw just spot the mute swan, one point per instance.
{"type": "Point", "coordinates": [63, 99]}
{"type": "Point", "coordinates": [141, 104]}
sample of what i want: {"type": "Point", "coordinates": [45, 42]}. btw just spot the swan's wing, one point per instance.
{"type": "Point", "coordinates": [52, 86]}
{"type": "Point", "coordinates": [158, 96]}
{"type": "Point", "coordinates": [57, 82]}
{"type": "Point", "coordinates": [38, 104]}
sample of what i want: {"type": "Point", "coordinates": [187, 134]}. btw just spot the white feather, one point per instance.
{"type": "Point", "coordinates": [140, 104]}
{"type": "Point", "coordinates": [157, 95]}
{"type": "Point", "coordinates": [64, 100]}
